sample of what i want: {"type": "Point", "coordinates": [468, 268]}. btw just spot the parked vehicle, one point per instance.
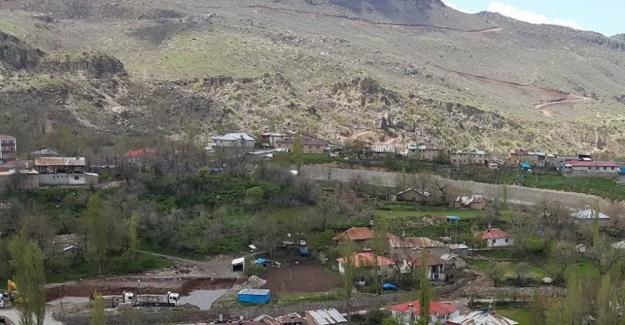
{"type": "Point", "coordinates": [163, 300]}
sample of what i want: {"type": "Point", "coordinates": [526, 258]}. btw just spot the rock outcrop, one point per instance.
{"type": "Point", "coordinates": [18, 54]}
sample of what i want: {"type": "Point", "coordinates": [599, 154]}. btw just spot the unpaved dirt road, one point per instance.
{"type": "Point", "coordinates": [11, 313]}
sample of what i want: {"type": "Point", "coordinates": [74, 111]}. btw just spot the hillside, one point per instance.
{"type": "Point", "coordinates": [392, 70]}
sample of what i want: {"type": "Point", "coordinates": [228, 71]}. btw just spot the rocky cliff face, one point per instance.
{"type": "Point", "coordinates": [16, 54]}
{"type": "Point", "coordinates": [96, 65]}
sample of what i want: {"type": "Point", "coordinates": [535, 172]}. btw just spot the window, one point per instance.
{"type": "Point", "coordinates": [506, 240]}
{"type": "Point", "coordinates": [612, 168]}
{"type": "Point", "coordinates": [494, 241]}
{"type": "Point", "coordinates": [589, 168]}
{"type": "Point", "coordinates": [605, 168]}
{"type": "Point", "coordinates": [76, 178]}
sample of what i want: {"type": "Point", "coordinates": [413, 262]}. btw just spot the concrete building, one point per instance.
{"type": "Point", "coordinates": [23, 179]}
{"type": "Point", "coordinates": [424, 152]}
{"type": "Point", "coordinates": [590, 168]}
{"type": "Point", "coordinates": [467, 157]}
{"type": "Point", "coordinates": [64, 171]}
{"type": "Point", "coordinates": [8, 148]}
{"type": "Point", "coordinates": [496, 237]}
{"type": "Point", "coordinates": [234, 140]}
{"type": "Point", "coordinates": [408, 312]}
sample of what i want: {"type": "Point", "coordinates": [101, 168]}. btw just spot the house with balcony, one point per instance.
{"type": "Point", "coordinates": [592, 168]}
{"type": "Point", "coordinates": [64, 171]}
{"type": "Point", "coordinates": [8, 148]}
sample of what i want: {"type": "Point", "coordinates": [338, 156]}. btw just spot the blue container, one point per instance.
{"type": "Point", "coordinates": [254, 296]}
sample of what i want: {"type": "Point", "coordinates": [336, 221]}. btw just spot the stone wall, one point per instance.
{"type": "Point", "coordinates": [515, 193]}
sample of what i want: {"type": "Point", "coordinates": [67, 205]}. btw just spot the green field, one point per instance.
{"type": "Point", "coordinates": [462, 213]}
{"type": "Point", "coordinates": [521, 315]}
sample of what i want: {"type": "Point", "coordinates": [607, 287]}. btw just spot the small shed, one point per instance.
{"type": "Point", "coordinates": [453, 219]}
{"type": "Point", "coordinates": [238, 264]}
{"type": "Point", "coordinates": [526, 166]}
{"type": "Point", "coordinates": [254, 296]}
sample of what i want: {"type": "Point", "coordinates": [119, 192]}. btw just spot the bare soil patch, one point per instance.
{"type": "Point", "coordinates": [300, 278]}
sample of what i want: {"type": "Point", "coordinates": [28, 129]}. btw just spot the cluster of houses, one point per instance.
{"type": "Point", "coordinates": [46, 168]}
{"type": "Point", "coordinates": [278, 141]}
{"type": "Point", "coordinates": [406, 313]}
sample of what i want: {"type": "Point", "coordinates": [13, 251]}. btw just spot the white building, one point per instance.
{"type": "Point", "coordinates": [408, 312]}
{"type": "Point", "coordinates": [496, 237]}
{"type": "Point", "coordinates": [234, 140]}
{"type": "Point", "coordinates": [588, 215]}
{"type": "Point", "coordinates": [64, 171]}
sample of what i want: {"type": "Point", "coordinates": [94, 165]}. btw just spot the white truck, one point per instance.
{"type": "Point", "coordinates": [169, 299]}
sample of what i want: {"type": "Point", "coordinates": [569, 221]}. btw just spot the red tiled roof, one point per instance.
{"type": "Point", "coordinates": [494, 233]}
{"type": "Point", "coordinates": [579, 163]}
{"type": "Point", "coordinates": [355, 233]}
{"type": "Point", "coordinates": [367, 259]}
{"type": "Point", "coordinates": [436, 307]}
{"type": "Point", "coordinates": [433, 259]}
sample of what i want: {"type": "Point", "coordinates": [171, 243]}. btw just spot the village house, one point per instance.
{"type": "Point", "coordinates": [45, 152]}
{"type": "Point", "coordinates": [482, 317]}
{"type": "Point", "coordinates": [406, 246]}
{"type": "Point", "coordinates": [269, 138]}
{"type": "Point", "coordinates": [325, 317]}
{"type": "Point", "coordinates": [496, 237]}
{"type": "Point", "coordinates": [367, 260]}
{"type": "Point", "coordinates": [412, 194]}
{"type": "Point", "coordinates": [68, 245]}
{"type": "Point", "coordinates": [424, 152]}
{"type": "Point", "coordinates": [8, 148]}
{"type": "Point", "coordinates": [21, 179]}
{"type": "Point", "coordinates": [310, 144]}
{"type": "Point", "coordinates": [590, 168]}
{"type": "Point", "coordinates": [384, 150]}
{"type": "Point", "coordinates": [467, 157]}
{"type": "Point", "coordinates": [408, 312]}
{"type": "Point", "coordinates": [460, 249]}
{"type": "Point", "coordinates": [355, 234]}
{"type": "Point", "coordinates": [454, 260]}
{"type": "Point", "coordinates": [64, 171]}
{"type": "Point", "coordinates": [436, 270]}
{"type": "Point", "coordinates": [234, 140]}
{"type": "Point", "coordinates": [534, 158]}
{"type": "Point", "coordinates": [476, 202]}
{"type": "Point", "coordinates": [588, 215]}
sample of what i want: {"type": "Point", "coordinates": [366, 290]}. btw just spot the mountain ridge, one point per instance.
{"type": "Point", "coordinates": [226, 66]}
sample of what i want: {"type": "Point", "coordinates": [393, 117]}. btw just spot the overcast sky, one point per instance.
{"type": "Point", "coordinates": [603, 16]}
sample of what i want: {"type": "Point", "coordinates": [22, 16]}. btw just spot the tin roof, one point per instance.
{"type": "Point", "coordinates": [413, 242]}
{"type": "Point", "coordinates": [577, 163]}
{"type": "Point", "coordinates": [588, 214]}
{"type": "Point", "coordinates": [60, 161]}
{"type": "Point", "coordinates": [482, 318]}
{"type": "Point", "coordinates": [494, 233]}
{"type": "Point", "coordinates": [355, 233]}
{"type": "Point", "coordinates": [7, 137]}
{"type": "Point", "coordinates": [436, 307]}
{"type": "Point", "coordinates": [432, 259]}
{"type": "Point", "coordinates": [326, 316]}
{"type": "Point", "coordinates": [233, 137]}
